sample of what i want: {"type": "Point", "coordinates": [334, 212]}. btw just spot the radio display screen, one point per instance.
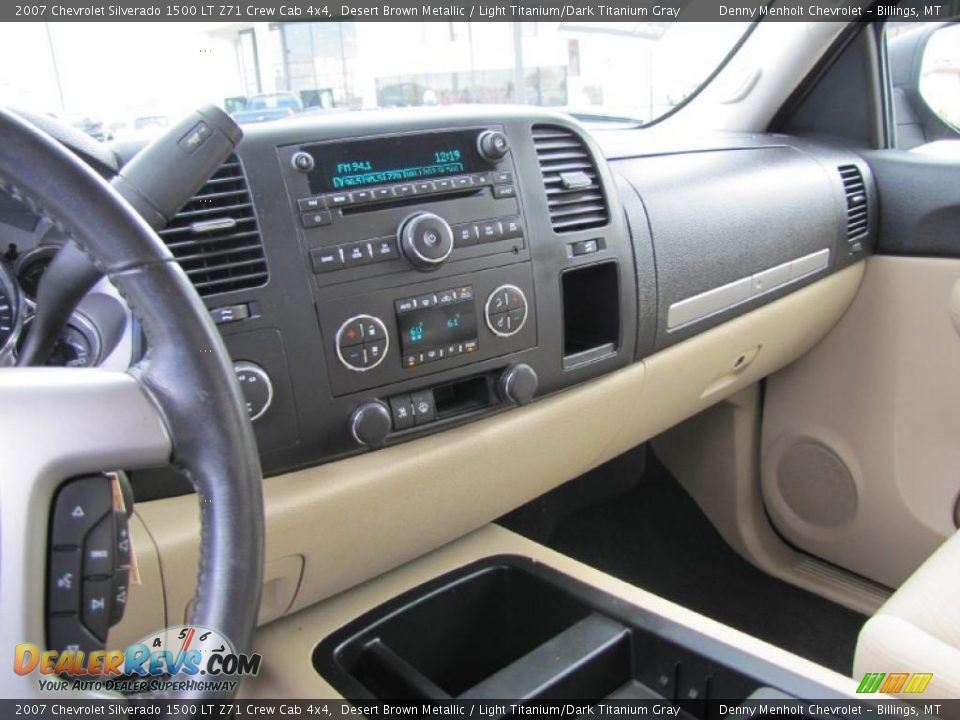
{"type": "Point", "coordinates": [397, 159]}
{"type": "Point", "coordinates": [437, 326]}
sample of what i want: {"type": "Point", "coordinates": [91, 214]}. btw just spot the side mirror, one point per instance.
{"type": "Point", "coordinates": [925, 76]}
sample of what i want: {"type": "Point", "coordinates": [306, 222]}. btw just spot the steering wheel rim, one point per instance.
{"type": "Point", "coordinates": [179, 404]}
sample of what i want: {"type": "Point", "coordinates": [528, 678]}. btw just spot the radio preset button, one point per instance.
{"type": "Point", "coordinates": [362, 343]}
{"type": "Point", "coordinates": [403, 190]}
{"type": "Point", "coordinates": [361, 196]}
{"type": "Point", "coordinates": [506, 310]}
{"type": "Point", "coordinates": [443, 185]}
{"type": "Point", "coordinates": [383, 193]}
{"type": "Point", "coordinates": [425, 187]}
{"type": "Point", "coordinates": [481, 179]}
{"type": "Point", "coordinates": [463, 182]}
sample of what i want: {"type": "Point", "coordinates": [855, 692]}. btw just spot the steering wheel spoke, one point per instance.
{"type": "Point", "coordinates": [57, 423]}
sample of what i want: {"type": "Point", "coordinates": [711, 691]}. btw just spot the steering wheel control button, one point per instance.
{"type": "Point", "coordinates": [64, 595]}
{"type": "Point", "coordinates": [97, 606]}
{"type": "Point", "coordinates": [424, 408]}
{"type": "Point", "coordinates": [426, 240]}
{"type": "Point", "coordinates": [362, 343]}
{"type": "Point", "coordinates": [506, 310]}
{"type": "Point", "coordinates": [64, 632]}
{"type": "Point", "coordinates": [121, 539]}
{"type": "Point", "coordinates": [120, 592]}
{"type": "Point", "coordinates": [98, 548]}
{"type": "Point", "coordinates": [256, 386]}
{"type": "Point", "coordinates": [78, 507]}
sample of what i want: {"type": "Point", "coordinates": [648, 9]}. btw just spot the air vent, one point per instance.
{"type": "Point", "coordinates": [570, 179]}
{"type": "Point", "coordinates": [215, 237]}
{"type": "Point", "coordinates": [856, 193]}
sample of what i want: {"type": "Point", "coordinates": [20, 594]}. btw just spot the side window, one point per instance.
{"type": "Point", "coordinates": [924, 64]}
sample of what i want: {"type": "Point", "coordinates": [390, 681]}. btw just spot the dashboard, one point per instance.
{"type": "Point", "coordinates": [379, 277]}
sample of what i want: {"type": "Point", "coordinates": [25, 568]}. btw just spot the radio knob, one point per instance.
{"type": "Point", "coordinates": [370, 424]}
{"type": "Point", "coordinates": [493, 145]}
{"type": "Point", "coordinates": [426, 240]}
{"type": "Point", "coordinates": [518, 384]}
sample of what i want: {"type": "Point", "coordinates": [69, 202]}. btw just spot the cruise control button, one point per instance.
{"type": "Point", "coordinates": [424, 410]}
{"type": "Point", "coordinates": [512, 227]}
{"type": "Point", "coordinates": [490, 231]}
{"type": "Point", "coordinates": [504, 191]}
{"type": "Point", "coordinates": [401, 411]}
{"type": "Point", "coordinates": [465, 235]}
{"type": "Point", "coordinates": [97, 601]}
{"type": "Point", "coordinates": [316, 219]}
{"type": "Point", "coordinates": [98, 548]}
{"type": "Point", "coordinates": [64, 582]}
{"type": "Point", "coordinates": [79, 505]}
{"type": "Point", "coordinates": [352, 334]}
{"type": "Point", "coordinates": [64, 632]}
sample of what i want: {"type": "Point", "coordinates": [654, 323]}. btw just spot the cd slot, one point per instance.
{"type": "Point", "coordinates": [390, 203]}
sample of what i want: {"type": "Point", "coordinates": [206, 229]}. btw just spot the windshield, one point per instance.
{"type": "Point", "coordinates": [116, 80]}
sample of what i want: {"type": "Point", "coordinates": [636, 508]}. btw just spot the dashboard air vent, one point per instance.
{"type": "Point", "coordinates": [856, 194]}
{"type": "Point", "coordinates": [215, 236]}
{"type": "Point", "coordinates": [570, 178]}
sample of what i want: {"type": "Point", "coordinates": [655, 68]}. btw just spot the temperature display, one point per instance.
{"type": "Point", "coordinates": [437, 326]}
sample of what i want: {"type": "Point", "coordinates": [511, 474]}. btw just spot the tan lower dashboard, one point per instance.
{"type": "Point", "coordinates": [332, 527]}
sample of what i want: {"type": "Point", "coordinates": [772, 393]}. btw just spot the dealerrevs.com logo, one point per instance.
{"type": "Point", "coordinates": [183, 657]}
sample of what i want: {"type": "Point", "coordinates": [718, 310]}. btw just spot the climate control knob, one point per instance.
{"type": "Point", "coordinates": [426, 240]}
{"type": "Point", "coordinates": [518, 384]}
{"type": "Point", "coordinates": [370, 424]}
{"type": "Point", "coordinates": [493, 145]}
{"type": "Point", "coordinates": [256, 386]}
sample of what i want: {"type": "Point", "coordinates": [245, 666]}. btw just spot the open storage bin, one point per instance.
{"type": "Point", "coordinates": [509, 628]}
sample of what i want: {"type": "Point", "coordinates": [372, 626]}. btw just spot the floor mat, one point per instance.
{"type": "Point", "coordinates": [656, 537]}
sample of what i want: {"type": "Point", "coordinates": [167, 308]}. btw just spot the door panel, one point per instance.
{"type": "Point", "coordinates": [861, 437]}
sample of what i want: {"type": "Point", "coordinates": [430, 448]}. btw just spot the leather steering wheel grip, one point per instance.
{"type": "Point", "coordinates": [187, 372]}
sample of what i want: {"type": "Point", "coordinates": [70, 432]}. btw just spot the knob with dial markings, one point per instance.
{"type": "Point", "coordinates": [256, 386]}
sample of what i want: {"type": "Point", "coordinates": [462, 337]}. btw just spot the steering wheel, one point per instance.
{"type": "Point", "coordinates": [179, 405]}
